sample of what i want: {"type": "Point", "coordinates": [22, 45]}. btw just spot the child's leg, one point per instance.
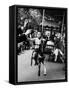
{"type": "Point", "coordinates": [56, 55]}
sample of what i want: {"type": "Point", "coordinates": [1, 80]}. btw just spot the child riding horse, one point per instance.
{"type": "Point", "coordinates": [41, 52]}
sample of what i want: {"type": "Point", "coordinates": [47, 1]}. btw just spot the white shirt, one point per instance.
{"type": "Point", "coordinates": [37, 42]}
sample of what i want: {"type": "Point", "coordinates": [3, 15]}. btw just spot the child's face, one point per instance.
{"type": "Point", "coordinates": [38, 34]}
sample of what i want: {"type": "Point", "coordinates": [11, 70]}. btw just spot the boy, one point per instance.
{"type": "Point", "coordinates": [37, 42]}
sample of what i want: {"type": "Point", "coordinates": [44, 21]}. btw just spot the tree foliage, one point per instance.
{"type": "Point", "coordinates": [32, 15]}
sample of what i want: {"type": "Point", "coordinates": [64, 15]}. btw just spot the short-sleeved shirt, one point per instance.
{"type": "Point", "coordinates": [37, 42]}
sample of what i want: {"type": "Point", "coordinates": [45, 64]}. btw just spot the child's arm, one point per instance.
{"type": "Point", "coordinates": [31, 39]}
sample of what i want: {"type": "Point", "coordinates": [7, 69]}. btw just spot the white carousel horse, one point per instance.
{"type": "Point", "coordinates": [49, 45]}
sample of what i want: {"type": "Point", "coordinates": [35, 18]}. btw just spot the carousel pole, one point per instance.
{"type": "Point", "coordinates": [43, 19]}
{"type": "Point", "coordinates": [62, 31]}
{"type": "Point", "coordinates": [42, 27]}
{"type": "Point", "coordinates": [62, 25]}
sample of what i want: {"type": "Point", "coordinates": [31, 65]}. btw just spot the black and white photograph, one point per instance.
{"type": "Point", "coordinates": [41, 44]}
{"type": "Point", "coordinates": [34, 44]}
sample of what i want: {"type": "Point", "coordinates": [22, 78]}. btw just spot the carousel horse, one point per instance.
{"type": "Point", "coordinates": [47, 53]}
{"type": "Point", "coordinates": [23, 42]}
{"type": "Point", "coordinates": [43, 55]}
{"type": "Point", "coordinates": [59, 50]}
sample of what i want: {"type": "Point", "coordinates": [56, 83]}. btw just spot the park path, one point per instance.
{"type": "Point", "coordinates": [26, 72]}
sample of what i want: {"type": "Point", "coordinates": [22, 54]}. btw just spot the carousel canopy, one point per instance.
{"type": "Point", "coordinates": [50, 23]}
